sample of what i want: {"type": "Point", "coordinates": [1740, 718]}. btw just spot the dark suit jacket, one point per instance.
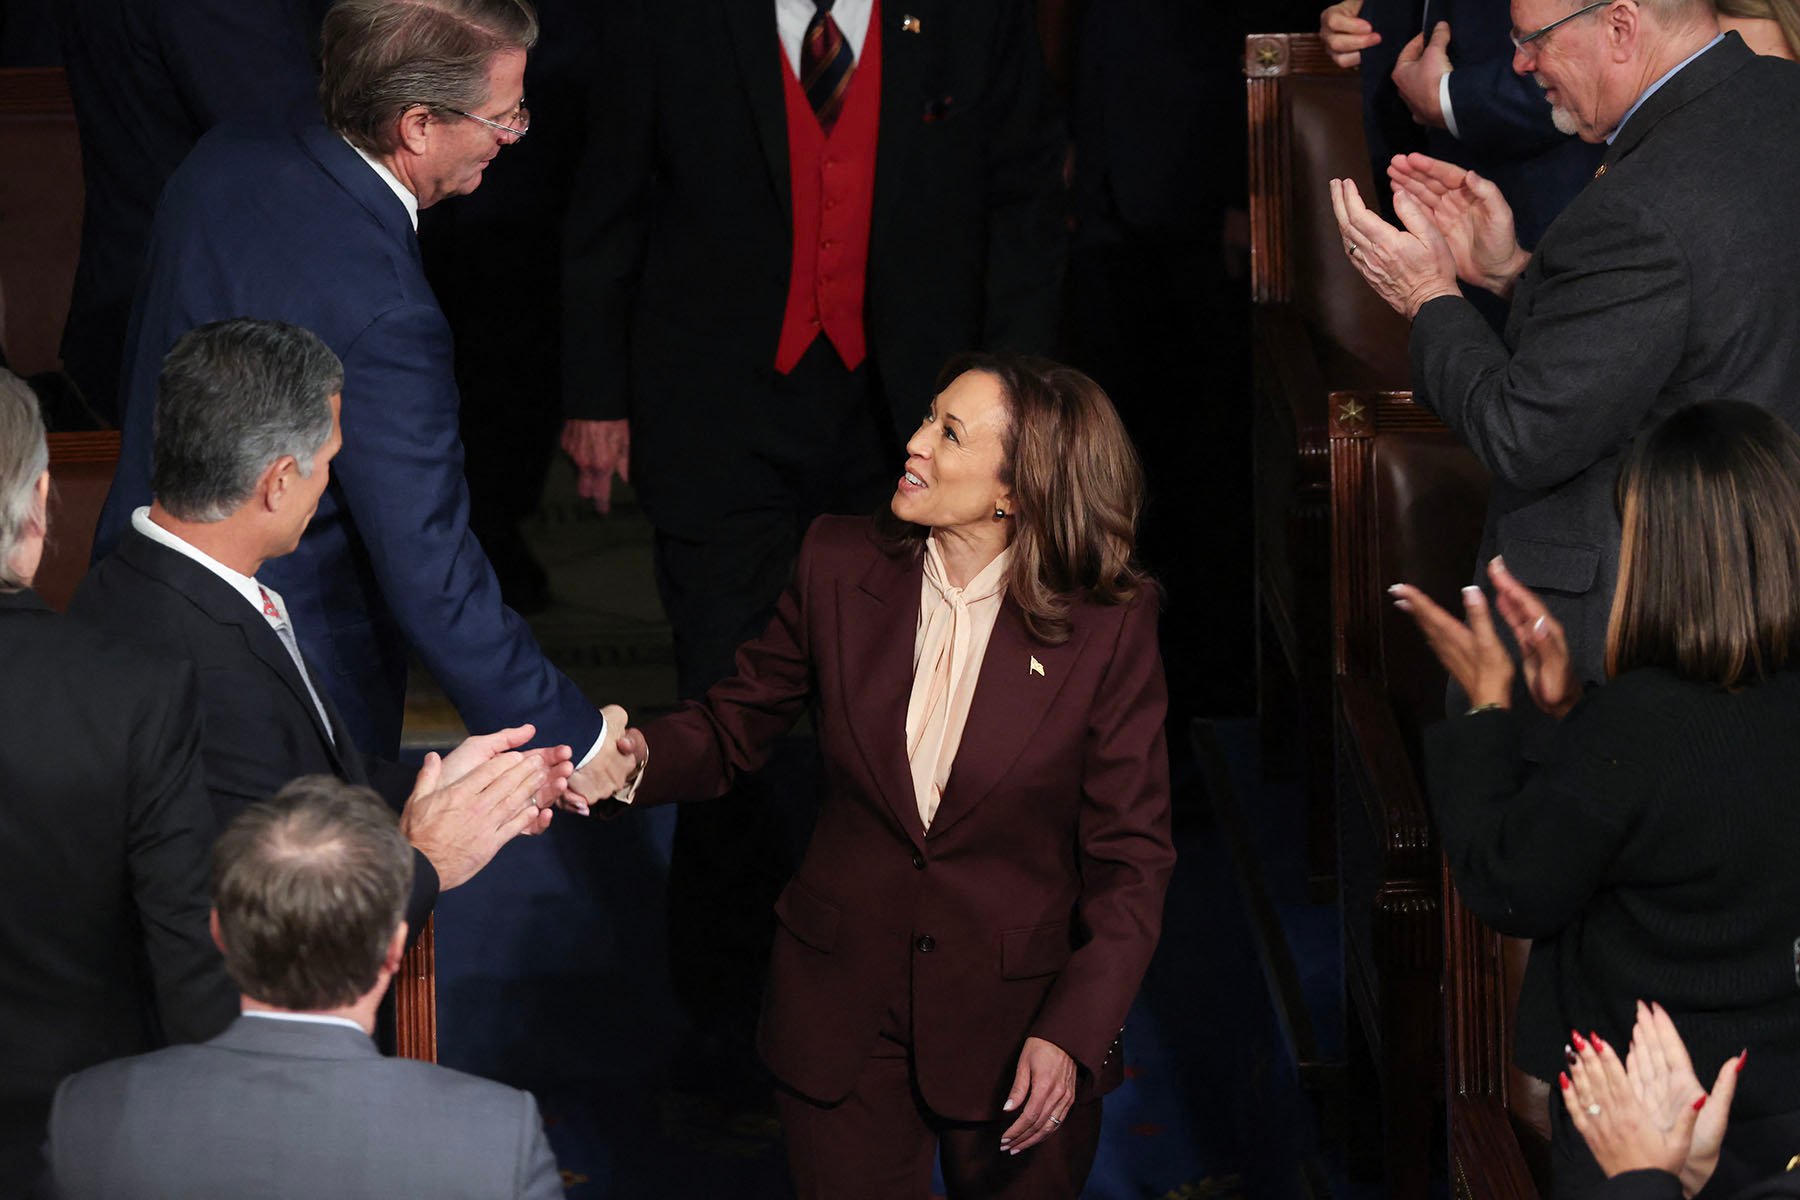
{"type": "Point", "coordinates": [148, 78]}
{"type": "Point", "coordinates": [259, 726]}
{"type": "Point", "coordinates": [1032, 905]}
{"type": "Point", "coordinates": [1503, 127]}
{"type": "Point", "coordinates": [1674, 278]}
{"type": "Point", "coordinates": [104, 830]}
{"type": "Point", "coordinates": [292, 225]}
{"type": "Point", "coordinates": [680, 239]}
{"type": "Point", "coordinates": [287, 1111]}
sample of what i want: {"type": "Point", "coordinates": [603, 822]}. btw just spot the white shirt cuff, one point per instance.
{"type": "Point", "coordinates": [594, 749]}
{"type": "Point", "coordinates": [1444, 103]}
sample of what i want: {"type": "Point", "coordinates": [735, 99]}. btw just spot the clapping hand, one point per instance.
{"type": "Point", "coordinates": [1627, 1128]}
{"type": "Point", "coordinates": [1663, 1076]}
{"type": "Point", "coordinates": [460, 825]}
{"type": "Point", "coordinates": [621, 755]}
{"type": "Point", "coordinates": [480, 748]}
{"type": "Point", "coordinates": [1469, 212]}
{"type": "Point", "coordinates": [1472, 653]}
{"type": "Point", "coordinates": [1543, 649]}
{"type": "Point", "coordinates": [1408, 268]}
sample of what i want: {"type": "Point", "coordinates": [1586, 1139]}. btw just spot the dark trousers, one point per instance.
{"type": "Point", "coordinates": [878, 1142]}
{"type": "Point", "coordinates": [825, 447]}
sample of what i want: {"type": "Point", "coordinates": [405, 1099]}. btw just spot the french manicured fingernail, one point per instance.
{"type": "Point", "coordinates": [1562, 1077]}
{"type": "Point", "coordinates": [1473, 595]}
{"type": "Point", "coordinates": [1537, 626]}
{"type": "Point", "coordinates": [1009, 1106]}
{"type": "Point", "coordinates": [1700, 1103]}
{"type": "Point", "coordinates": [1498, 562]}
{"type": "Point", "coordinates": [1395, 589]}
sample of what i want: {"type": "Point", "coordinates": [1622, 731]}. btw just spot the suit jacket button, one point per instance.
{"type": "Point", "coordinates": [926, 943]}
{"type": "Point", "coordinates": [918, 862]}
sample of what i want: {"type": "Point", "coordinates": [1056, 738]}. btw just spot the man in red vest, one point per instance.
{"type": "Point", "coordinates": [788, 217]}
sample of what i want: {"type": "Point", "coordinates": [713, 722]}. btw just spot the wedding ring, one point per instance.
{"type": "Point", "coordinates": [1593, 1110]}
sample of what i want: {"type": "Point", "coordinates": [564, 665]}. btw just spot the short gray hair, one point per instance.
{"type": "Point", "coordinates": [235, 396]}
{"type": "Point", "coordinates": [309, 888]}
{"type": "Point", "coordinates": [24, 455]}
{"type": "Point", "coordinates": [381, 57]}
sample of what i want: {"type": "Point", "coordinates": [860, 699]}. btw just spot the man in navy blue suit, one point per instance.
{"type": "Point", "coordinates": [1437, 78]}
{"type": "Point", "coordinates": [313, 223]}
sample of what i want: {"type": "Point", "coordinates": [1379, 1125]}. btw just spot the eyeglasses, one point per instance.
{"type": "Point", "coordinates": [520, 116]}
{"type": "Point", "coordinates": [1522, 40]}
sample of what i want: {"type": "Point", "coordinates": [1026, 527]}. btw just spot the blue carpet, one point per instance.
{"type": "Point", "coordinates": [551, 977]}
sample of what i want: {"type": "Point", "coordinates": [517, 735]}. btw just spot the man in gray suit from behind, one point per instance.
{"type": "Point", "coordinates": [1673, 278]}
{"type": "Point", "coordinates": [293, 1100]}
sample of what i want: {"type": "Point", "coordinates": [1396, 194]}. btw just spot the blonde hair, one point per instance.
{"type": "Point", "coordinates": [24, 455]}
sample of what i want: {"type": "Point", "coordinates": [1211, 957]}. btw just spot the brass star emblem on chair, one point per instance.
{"type": "Point", "coordinates": [1350, 413]}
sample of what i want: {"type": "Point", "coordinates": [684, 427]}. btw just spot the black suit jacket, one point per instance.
{"type": "Point", "coordinates": [680, 235]}
{"type": "Point", "coordinates": [148, 77]}
{"type": "Point", "coordinates": [260, 729]}
{"type": "Point", "coordinates": [104, 831]}
{"type": "Point", "coordinates": [1673, 278]}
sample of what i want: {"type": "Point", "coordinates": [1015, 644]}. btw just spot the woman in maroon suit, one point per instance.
{"type": "Point", "coordinates": [985, 884]}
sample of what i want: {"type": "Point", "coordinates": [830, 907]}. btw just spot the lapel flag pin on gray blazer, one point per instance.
{"type": "Point", "coordinates": [1037, 668]}
{"type": "Point", "coordinates": [910, 24]}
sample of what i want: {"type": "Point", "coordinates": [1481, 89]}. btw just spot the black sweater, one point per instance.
{"type": "Point", "coordinates": [1655, 855]}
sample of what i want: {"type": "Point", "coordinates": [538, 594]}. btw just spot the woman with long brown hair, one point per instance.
{"type": "Point", "coordinates": [1652, 853]}
{"type": "Point", "coordinates": [984, 886]}
{"type": "Point", "coordinates": [1769, 27]}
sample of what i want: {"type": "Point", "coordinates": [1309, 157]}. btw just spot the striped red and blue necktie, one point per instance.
{"type": "Point", "coordinates": [825, 65]}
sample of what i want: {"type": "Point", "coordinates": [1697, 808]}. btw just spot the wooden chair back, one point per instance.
{"type": "Point", "coordinates": [1407, 505]}
{"type": "Point", "coordinates": [81, 472]}
{"type": "Point", "coordinates": [40, 215]}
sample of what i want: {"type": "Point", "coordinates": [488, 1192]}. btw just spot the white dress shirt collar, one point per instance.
{"type": "Point", "coordinates": [392, 180]}
{"type": "Point", "coordinates": [306, 1019]}
{"type": "Point", "coordinates": [240, 583]}
{"type": "Point", "coordinates": [793, 16]}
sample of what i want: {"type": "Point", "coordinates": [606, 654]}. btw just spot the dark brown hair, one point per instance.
{"type": "Point", "coordinates": [309, 888]}
{"type": "Point", "coordinates": [1077, 490]}
{"type": "Point", "coordinates": [381, 57]}
{"type": "Point", "coordinates": [1709, 562]}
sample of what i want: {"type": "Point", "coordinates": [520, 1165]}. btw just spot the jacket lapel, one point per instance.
{"type": "Point", "coordinates": [759, 58]}
{"type": "Point", "coordinates": [1692, 81]}
{"type": "Point", "coordinates": [222, 604]}
{"type": "Point", "coordinates": [337, 159]}
{"type": "Point", "coordinates": [902, 113]}
{"type": "Point", "coordinates": [879, 623]}
{"type": "Point", "coordinates": [1011, 700]}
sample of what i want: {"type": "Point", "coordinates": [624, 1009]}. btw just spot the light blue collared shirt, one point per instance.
{"type": "Point", "coordinates": [1651, 90]}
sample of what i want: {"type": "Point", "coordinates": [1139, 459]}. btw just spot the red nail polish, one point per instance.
{"type": "Point", "coordinates": [1700, 1103]}
{"type": "Point", "coordinates": [1743, 1057]}
{"type": "Point", "coordinates": [1598, 1044]}
{"type": "Point", "coordinates": [1580, 1042]}
{"type": "Point", "coordinates": [1562, 1077]}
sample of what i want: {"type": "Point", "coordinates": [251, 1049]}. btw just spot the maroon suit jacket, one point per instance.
{"type": "Point", "coordinates": [1035, 901]}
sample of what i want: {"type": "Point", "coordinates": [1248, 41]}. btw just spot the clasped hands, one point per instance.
{"type": "Point", "coordinates": [614, 766]}
{"type": "Point", "coordinates": [1455, 225]}
{"type": "Point", "coordinates": [1474, 654]}
{"type": "Point", "coordinates": [1648, 1112]}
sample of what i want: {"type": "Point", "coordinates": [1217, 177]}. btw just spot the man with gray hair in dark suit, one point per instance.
{"type": "Point", "coordinates": [293, 1100]}
{"type": "Point", "coordinates": [1672, 278]}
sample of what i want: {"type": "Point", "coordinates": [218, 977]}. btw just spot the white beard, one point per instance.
{"type": "Point", "coordinates": [1564, 120]}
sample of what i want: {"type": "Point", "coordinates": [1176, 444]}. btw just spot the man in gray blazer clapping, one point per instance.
{"type": "Point", "coordinates": [1673, 278]}
{"type": "Point", "coordinates": [293, 1100]}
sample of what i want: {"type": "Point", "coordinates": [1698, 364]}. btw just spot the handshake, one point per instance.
{"type": "Point", "coordinates": [614, 769]}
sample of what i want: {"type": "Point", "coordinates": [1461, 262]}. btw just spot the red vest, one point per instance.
{"type": "Point", "coordinates": [834, 196]}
